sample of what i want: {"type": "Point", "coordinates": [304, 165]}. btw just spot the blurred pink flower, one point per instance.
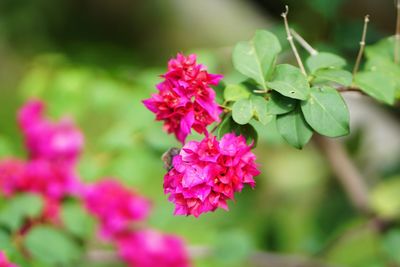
{"type": "Point", "coordinates": [185, 99]}
{"type": "Point", "coordinates": [206, 174]}
{"type": "Point", "coordinates": [116, 206]}
{"type": "Point", "coordinates": [53, 180]}
{"type": "Point", "coordinates": [4, 261]}
{"type": "Point", "coordinates": [149, 248]}
{"type": "Point", "coordinates": [47, 139]}
{"type": "Point", "coordinates": [11, 172]}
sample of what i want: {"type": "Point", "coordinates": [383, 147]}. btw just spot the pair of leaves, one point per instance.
{"type": "Point", "coordinates": [324, 112]}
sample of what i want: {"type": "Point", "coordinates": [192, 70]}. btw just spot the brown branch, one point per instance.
{"type": "Point", "coordinates": [346, 172]}
{"type": "Point", "coordinates": [290, 39]}
{"type": "Point", "coordinates": [362, 46]}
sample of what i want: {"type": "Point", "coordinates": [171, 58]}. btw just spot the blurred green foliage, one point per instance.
{"type": "Point", "coordinates": [297, 206]}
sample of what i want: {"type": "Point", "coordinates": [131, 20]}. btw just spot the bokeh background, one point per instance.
{"type": "Point", "coordinates": [97, 59]}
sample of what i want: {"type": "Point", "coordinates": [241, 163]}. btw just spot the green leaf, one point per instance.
{"type": "Point", "coordinates": [229, 126]}
{"type": "Point", "coordinates": [388, 67]}
{"type": "Point", "coordinates": [289, 81]}
{"type": "Point", "coordinates": [279, 104]}
{"type": "Point", "coordinates": [294, 129]}
{"type": "Point", "coordinates": [326, 112]}
{"type": "Point", "coordinates": [324, 61]}
{"type": "Point", "coordinates": [377, 85]}
{"type": "Point", "coordinates": [234, 92]}
{"type": "Point", "coordinates": [76, 220]}
{"type": "Point", "coordinates": [20, 208]}
{"type": "Point", "coordinates": [339, 76]}
{"type": "Point", "coordinates": [384, 49]}
{"type": "Point", "coordinates": [255, 59]}
{"type": "Point", "coordinates": [242, 111]}
{"type": "Point", "coordinates": [51, 246]}
{"type": "Point", "coordinates": [259, 105]}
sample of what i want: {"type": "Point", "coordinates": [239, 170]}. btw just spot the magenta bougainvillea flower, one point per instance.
{"type": "Point", "coordinates": [185, 99]}
{"type": "Point", "coordinates": [11, 173]}
{"type": "Point", "coordinates": [149, 248]}
{"type": "Point", "coordinates": [4, 261]}
{"type": "Point", "coordinates": [53, 180]}
{"type": "Point", "coordinates": [116, 206]}
{"type": "Point", "coordinates": [206, 174]}
{"type": "Point", "coordinates": [61, 141]}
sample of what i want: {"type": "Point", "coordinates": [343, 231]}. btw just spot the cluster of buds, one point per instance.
{"type": "Point", "coordinates": [204, 174]}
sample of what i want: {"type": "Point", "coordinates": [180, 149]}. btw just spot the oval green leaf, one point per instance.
{"type": "Point", "coordinates": [242, 111]}
{"type": "Point", "coordinates": [324, 61]}
{"type": "Point", "coordinates": [234, 92]}
{"type": "Point", "coordinates": [289, 81]}
{"type": "Point", "coordinates": [51, 246]}
{"type": "Point", "coordinates": [255, 59]}
{"type": "Point", "coordinates": [294, 129]}
{"type": "Point", "coordinates": [377, 84]}
{"type": "Point", "coordinates": [279, 104]}
{"type": "Point", "coordinates": [339, 76]}
{"type": "Point", "coordinates": [326, 112]}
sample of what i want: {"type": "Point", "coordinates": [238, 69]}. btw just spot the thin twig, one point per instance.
{"type": "Point", "coordinates": [290, 39]}
{"type": "Point", "coordinates": [362, 46]}
{"type": "Point", "coordinates": [346, 172]}
{"type": "Point", "coordinates": [304, 43]}
{"type": "Point", "coordinates": [397, 36]}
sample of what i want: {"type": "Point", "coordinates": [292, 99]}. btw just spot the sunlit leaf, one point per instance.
{"type": "Point", "coordinates": [255, 59]}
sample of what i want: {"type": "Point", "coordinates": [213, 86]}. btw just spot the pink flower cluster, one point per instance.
{"type": "Point", "coordinates": [50, 169]}
{"type": "Point", "coordinates": [185, 99]}
{"type": "Point", "coordinates": [117, 208]}
{"type": "Point", "coordinates": [149, 248]}
{"type": "Point", "coordinates": [206, 174]}
{"type": "Point", "coordinates": [55, 141]}
{"type": "Point", "coordinates": [4, 261]}
{"type": "Point", "coordinates": [54, 149]}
